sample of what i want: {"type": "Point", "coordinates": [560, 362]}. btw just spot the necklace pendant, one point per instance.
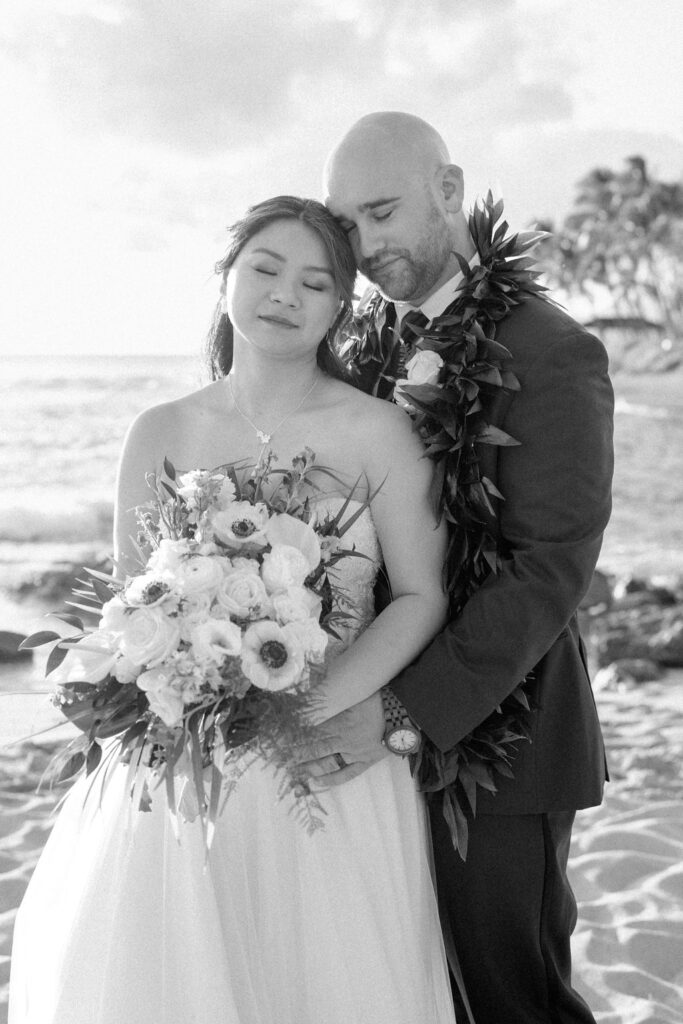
{"type": "Point", "coordinates": [263, 437]}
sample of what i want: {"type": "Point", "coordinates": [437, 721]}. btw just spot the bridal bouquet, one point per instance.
{"type": "Point", "coordinates": [211, 650]}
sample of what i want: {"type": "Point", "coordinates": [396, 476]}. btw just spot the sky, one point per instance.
{"type": "Point", "coordinates": [135, 131]}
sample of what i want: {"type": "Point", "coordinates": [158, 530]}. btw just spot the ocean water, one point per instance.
{"type": "Point", "coordinates": [62, 424]}
{"type": "Point", "coordinates": [63, 420]}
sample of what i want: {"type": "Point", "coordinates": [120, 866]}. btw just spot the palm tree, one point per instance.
{"type": "Point", "coordinates": [625, 233]}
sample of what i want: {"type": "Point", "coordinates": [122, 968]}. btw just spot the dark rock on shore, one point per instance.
{"type": "Point", "coordinates": [52, 584]}
{"type": "Point", "coordinates": [666, 647]}
{"type": "Point", "coordinates": [640, 622]}
{"type": "Point", "coordinates": [627, 671]}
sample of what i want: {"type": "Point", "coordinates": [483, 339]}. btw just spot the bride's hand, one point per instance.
{"type": "Point", "coordinates": [324, 699]}
{"type": "Point", "coordinates": [353, 738]}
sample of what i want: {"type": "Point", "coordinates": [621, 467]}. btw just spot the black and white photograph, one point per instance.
{"type": "Point", "coordinates": [341, 546]}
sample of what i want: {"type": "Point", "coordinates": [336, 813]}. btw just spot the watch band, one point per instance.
{"type": "Point", "coordinates": [395, 713]}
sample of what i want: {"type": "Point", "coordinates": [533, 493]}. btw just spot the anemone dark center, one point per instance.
{"type": "Point", "coordinates": [153, 591]}
{"type": "Point", "coordinates": [243, 528]}
{"type": "Point", "coordinates": [273, 653]}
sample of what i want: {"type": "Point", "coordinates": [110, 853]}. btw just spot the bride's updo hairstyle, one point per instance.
{"type": "Point", "coordinates": [219, 343]}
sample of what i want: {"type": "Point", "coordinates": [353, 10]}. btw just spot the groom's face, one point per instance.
{"type": "Point", "coordinates": [397, 227]}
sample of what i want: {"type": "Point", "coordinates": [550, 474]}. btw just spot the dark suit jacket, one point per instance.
{"type": "Point", "coordinates": [556, 486]}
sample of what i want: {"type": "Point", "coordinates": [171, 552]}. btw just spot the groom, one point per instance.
{"type": "Point", "coordinates": [508, 910]}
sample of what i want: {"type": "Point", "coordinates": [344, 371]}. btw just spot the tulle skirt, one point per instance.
{"type": "Point", "coordinates": [125, 922]}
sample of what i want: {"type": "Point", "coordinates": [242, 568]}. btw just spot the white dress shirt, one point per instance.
{"type": "Point", "coordinates": [435, 304]}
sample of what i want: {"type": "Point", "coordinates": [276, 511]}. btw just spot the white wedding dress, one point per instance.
{"type": "Point", "coordinates": [123, 924]}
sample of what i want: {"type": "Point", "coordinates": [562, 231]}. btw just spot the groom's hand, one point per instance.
{"type": "Point", "coordinates": [356, 734]}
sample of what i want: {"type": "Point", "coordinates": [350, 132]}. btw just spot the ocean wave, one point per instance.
{"type": "Point", "coordinates": [89, 384]}
{"type": "Point", "coordinates": [83, 523]}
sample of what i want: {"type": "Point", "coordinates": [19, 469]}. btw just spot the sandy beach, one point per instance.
{"type": "Point", "coordinates": [627, 855]}
{"type": "Point", "coordinates": [626, 859]}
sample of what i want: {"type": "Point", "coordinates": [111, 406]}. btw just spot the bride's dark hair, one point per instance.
{"type": "Point", "coordinates": [218, 348]}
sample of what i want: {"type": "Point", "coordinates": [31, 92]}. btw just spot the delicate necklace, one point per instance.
{"type": "Point", "coordinates": [263, 437]}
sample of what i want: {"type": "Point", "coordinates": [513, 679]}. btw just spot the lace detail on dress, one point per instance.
{"type": "Point", "coordinates": [355, 577]}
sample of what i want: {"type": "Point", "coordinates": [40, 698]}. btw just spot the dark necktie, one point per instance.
{"type": "Point", "coordinates": [410, 332]}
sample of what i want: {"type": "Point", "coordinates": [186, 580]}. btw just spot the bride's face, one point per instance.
{"type": "Point", "coordinates": [280, 292]}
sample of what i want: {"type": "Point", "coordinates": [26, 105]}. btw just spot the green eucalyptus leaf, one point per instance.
{"type": "Point", "coordinates": [93, 758]}
{"type": "Point", "coordinates": [70, 767]}
{"type": "Point", "coordinates": [45, 636]}
{"type": "Point", "coordinates": [494, 435]}
{"type": "Point", "coordinates": [55, 658]}
{"type": "Point", "coordinates": [102, 590]}
{"type": "Point", "coordinates": [71, 620]}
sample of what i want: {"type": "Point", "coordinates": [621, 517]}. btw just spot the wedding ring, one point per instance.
{"type": "Point", "coordinates": [341, 763]}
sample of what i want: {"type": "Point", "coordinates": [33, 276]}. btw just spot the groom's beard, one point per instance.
{"type": "Point", "coordinates": [406, 275]}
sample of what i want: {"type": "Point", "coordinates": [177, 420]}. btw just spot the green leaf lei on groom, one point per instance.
{"type": "Point", "coordinates": [451, 419]}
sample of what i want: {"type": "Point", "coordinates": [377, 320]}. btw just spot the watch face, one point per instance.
{"type": "Point", "coordinates": [403, 740]}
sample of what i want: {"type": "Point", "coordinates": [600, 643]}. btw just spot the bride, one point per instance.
{"type": "Point", "coordinates": [122, 921]}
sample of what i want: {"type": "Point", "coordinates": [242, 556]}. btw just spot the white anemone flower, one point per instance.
{"type": "Point", "coordinates": [240, 524]}
{"type": "Point", "coordinates": [272, 656]}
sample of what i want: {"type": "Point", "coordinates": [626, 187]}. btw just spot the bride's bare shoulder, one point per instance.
{"type": "Point", "coordinates": [170, 416]}
{"type": "Point", "coordinates": [363, 414]}
{"type": "Point", "coordinates": [161, 426]}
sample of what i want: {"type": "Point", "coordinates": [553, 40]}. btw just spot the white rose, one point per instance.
{"type": "Point", "coordinates": [90, 660]}
{"type": "Point", "coordinates": [240, 523]}
{"type": "Point", "coordinates": [286, 529]}
{"type": "Point", "coordinates": [169, 555]}
{"type": "Point", "coordinates": [242, 564]}
{"type": "Point", "coordinates": [189, 484]}
{"type": "Point", "coordinates": [312, 637]}
{"type": "Point", "coordinates": [284, 567]}
{"type": "Point", "coordinates": [209, 548]}
{"type": "Point", "coordinates": [125, 670]}
{"type": "Point", "coordinates": [149, 636]}
{"type": "Point", "coordinates": [200, 574]}
{"type": "Point", "coordinates": [242, 593]}
{"type": "Point", "coordinates": [295, 605]}
{"type": "Point", "coordinates": [424, 367]}
{"type": "Point", "coordinates": [194, 610]}
{"type": "Point", "coordinates": [216, 640]}
{"type": "Point", "coordinates": [114, 615]}
{"type": "Point", "coordinates": [164, 698]}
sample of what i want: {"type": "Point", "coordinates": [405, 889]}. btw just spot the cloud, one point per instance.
{"type": "Point", "coordinates": [202, 77]}
{"type": "Point", "coordinates": [216, 77]}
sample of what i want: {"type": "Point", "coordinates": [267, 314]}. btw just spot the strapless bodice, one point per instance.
{"type": "Point", "coordinates": [354, 576]}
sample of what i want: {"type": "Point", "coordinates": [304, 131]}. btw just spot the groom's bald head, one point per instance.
{"type": "Point", "coordinates": [391, 184]}
{"type": "Point", "coordinates": [388, 136]}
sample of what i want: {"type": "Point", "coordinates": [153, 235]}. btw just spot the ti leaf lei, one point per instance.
{"type": "Point", "coordinates": [450, 416]}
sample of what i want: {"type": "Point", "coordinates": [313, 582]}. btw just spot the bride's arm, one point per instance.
{"type": "Point", "coordinates": [139, 457]}
{"type": "Point", "coordinates": [414, 550]}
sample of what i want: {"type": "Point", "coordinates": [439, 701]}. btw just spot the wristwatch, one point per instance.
{"type": "Point", "coordinates": [401, 735]}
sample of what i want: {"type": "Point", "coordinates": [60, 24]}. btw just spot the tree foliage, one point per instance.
{"type": "Point", "coordinates": [624, 233]}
